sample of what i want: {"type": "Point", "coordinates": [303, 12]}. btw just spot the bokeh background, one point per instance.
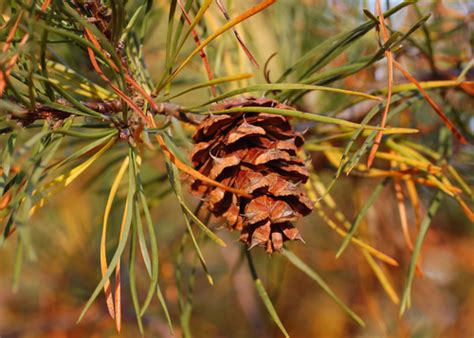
{"type": "Point", "coordinates": [66, 232]}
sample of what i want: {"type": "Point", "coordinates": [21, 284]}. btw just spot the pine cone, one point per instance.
{"type": "Point", "coordinates": [255, 153]}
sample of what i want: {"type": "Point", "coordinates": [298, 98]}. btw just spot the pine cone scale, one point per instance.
{"type": "Point", "coordinates": [255, 153]}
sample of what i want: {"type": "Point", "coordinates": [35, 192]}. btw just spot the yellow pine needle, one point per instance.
{"type": "Point", "coordinates": [403, 212]}
{"type": "Point", "coordinates": [215, 81]}
{"type": "Point", "coordinates": [69, 177]}
{"type": "Point", "coordinates": [406, 151]}
{"type": "Point", "coordinates": [103, 240]}
{"type": "Point", "coordinates": [425, 85]}
{"type": "Point", "coordinates": [334, 155]}
{"type": "Point", "coordinates": [89, 88]}
{"type": "Point", "coordinates": [464, 186]}
{"type": "Point", "coordinates": [414, 163]}
{"type": "Point", "coordinates": [64, 180]}
{"type": "Point", "coordinates": [441, 182]}
{"type": "Point", "coordinates": [118, 296]}
{"type": "Point", "coordinates": [383, 279]}
{"type": "Point", "coordinates": [205, 5]}
{"type": "Point", "coordinates": [313, 196]}
{"type": "Point", "coordinates": [413, 195]}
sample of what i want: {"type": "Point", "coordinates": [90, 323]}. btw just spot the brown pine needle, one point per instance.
{"type": "Point", "coordinates": [11, 33]}
{"type": "Point", "coordinates": [97, 68]}
{"type": "Point", "coordinates": [4, 73]}
{"type": "Point", "coordinates": [118, 299]}
{"type": "Point", "coordinates": [389, 56]}
{"type": "Point", "coordinates": [202, 53]}
{"type": "Point", "coordinates": [465, 208]}
{"type": "Point", "coordinates": [238, 19]}
{"type": "Point", "coordinates": [45, 5]}
{"type": "Point", "coordinates": [403, 212]}
{"type": "Point", "coordinates": [237, 35]}
{"type": "Point", "coordinates": [432, 103]}
{"type": "Point", "coordinates": [6, 198]}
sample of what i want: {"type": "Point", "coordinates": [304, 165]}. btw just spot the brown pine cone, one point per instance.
{"type": "Point", "coordinates": [255, 153]}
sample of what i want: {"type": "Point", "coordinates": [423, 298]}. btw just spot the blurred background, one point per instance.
{"type": "Point", "coordinates": [66, 232]}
